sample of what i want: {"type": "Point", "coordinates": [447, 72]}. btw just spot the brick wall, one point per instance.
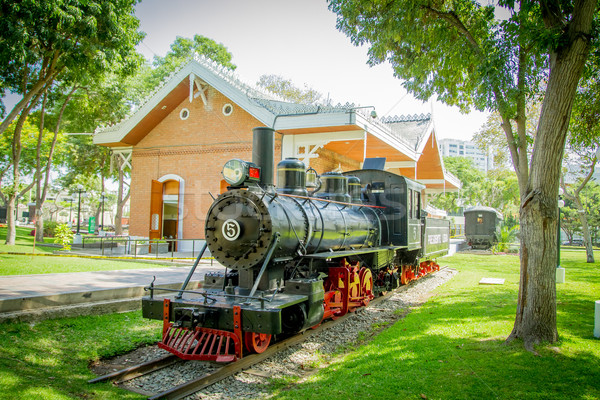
{"type": "Point", "coordinates": [194, 149]}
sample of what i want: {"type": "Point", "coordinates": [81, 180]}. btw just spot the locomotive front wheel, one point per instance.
{"type": "Point", "coordinates": [256, 342]}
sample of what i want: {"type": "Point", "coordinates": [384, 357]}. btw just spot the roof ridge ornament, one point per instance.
{"type": "Point", "coordinates": [406, 118]}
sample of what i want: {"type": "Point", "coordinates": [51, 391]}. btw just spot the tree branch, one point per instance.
{"type": "Point", "coordinates": [455, 21]}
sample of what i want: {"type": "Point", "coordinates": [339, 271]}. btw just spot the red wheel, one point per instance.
{"type": "Point", "coordinates": [256, 342]}
{"type": "Point", "coordinates": [366, 284]}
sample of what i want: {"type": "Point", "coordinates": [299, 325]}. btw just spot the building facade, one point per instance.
{"type": "Point", "coordinates": [177, 142]}
{"type": "Point", "coordinates": [462, 148]}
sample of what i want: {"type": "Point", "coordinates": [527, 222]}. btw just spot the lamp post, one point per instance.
{"type": "Point", "coordinates": [77, 238]}
{"type": "Point", "coordinates": [102, 197]}
{"type": "Point", "coordinates": [79, 191]}
{"type": "Point", "coordinates": [70, 198]}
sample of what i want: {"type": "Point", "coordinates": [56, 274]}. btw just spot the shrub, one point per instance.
{"type": "Point", "coordinates": [63, 236]}
{"type": "Point", "coordinates": [50, 228]}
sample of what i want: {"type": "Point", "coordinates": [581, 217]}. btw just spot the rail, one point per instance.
{"type": "Point", "coordinates": [112, 246]}
{"type": "Point", "coordinates": [192, 386]}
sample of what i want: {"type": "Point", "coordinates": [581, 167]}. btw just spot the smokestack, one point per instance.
{"type": "Point", "coordinates": [263, 150]}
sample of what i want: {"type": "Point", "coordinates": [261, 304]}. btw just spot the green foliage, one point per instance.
{"type": "Point", "coordinates": [50, 228]}
{"type": "Point", "coordinates": [63, 236]}
{"type": "Point", "coordinates": [182, 49]}
{"type": "Point", "coordinates": [507, 236]}
{"type": "Point", "coordinates": [286, 89]}
{"type": "Point", "coordinates": [456, 50]}
{"type": "Point", "coordinates": [42, 40]}
{"type": "Point", "coordinates": [29, 137]}
{"type": "Point", "coordinates": [492, 137]}
{"type": "Point", "coordinates": [498, 189]}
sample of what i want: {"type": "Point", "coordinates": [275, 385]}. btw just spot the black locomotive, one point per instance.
{"type": "Point", "coordinates": [482, 226]}
{"type": "Point", "coordinates": [295, 258]}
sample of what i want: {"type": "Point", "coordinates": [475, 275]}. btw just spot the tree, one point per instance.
{"type": "Point", "coordinates": [42, 171]}
{"type": "Point", "coordinates": [470, 178]}
{"type": "Point", "coordinates": [587, 163]}
{"type": "Point", "coordinates": [466, 56]}
{"type": "Point", "coordinates": [498, 189]}
{"type": "Point", "coordinates": [181, 50]}
{"type": "Point", "coordinates": [492, 136]}
{"type": "Point", "coordinates": [286, 89]}
{"type": "Point", "coordinates": [54, 40]}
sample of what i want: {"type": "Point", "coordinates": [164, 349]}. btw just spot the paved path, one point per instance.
{"type": "Point", "coordinates": [19, 286]}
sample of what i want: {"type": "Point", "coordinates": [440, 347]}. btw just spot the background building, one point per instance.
{"type": "Point", "coordinates": [461, 148]}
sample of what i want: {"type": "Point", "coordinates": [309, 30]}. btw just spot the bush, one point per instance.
{"type": "Point", "coordinates": [63, 236]}
{"type": "Point", "coordinates": [50, 228]}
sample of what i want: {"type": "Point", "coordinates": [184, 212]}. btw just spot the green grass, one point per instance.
{"type": "Point", "coordinates": [19, 264]}
{"type": "Point", "coordinates": [450, 348]}
{"type": "Point", "coordinates": [454, 347]}
{"type": "Point", "coordinates": [24, 242]}
{"type": "Point", "coordinates": [50, 360]}
{"type": "Point", "coordinates": [27, 265]}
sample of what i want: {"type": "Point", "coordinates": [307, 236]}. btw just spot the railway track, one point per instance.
{"type": "Point", "coordinates": [222, 371]}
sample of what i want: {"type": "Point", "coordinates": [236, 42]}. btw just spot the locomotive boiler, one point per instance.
{"type": "Point", "coordinates": [295, 258]}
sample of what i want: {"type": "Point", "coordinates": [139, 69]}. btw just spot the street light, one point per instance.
{"type": "Point", "coordinates": [102, 197]}
{"type": "Point", "coordinates": [79, 191]}
{"type": "Point", "coordinates": [70, 200]}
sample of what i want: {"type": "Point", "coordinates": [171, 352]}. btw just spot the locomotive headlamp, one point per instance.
{"type": "Point", "coordinates": [236, 172]}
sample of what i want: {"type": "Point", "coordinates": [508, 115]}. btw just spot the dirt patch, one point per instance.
{"type": "Point", "coordinates": [138, 356]}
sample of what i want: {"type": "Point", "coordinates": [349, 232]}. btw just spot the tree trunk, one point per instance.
{"type": "Point", "coordinates": [39, 226]}
{"type": "Point", "coordinates": [586, 231]}
{"type": "Point", "coordinates": [11, 228]}
{"type": "Point", "coordinates": [535, 319]}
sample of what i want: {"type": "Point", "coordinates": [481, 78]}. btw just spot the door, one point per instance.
{"type": "Point", "coordinates": [170, 215]}
{"type": "Point", "coordinates": [156, 208]}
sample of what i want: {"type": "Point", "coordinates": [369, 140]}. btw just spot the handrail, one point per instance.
{"type": "Point", "coordinates": [142, 247]}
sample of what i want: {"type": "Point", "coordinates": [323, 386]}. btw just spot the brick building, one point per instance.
{"type": "Point", "coordinates": [177, 142]}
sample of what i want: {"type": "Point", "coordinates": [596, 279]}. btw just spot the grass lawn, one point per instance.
{"type": "Point", "coordinates": [24, 242]}
{"type": "Point", "coordinates": [450, 348]}
{"type": "Point", "coordinates": [49, 360]}
{"type": "Point", "coordinates": [453, 346]}
{"type": "Point", "coordinates": [17, 264]}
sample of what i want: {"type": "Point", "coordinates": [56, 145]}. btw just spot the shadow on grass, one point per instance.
{"type": "Point", "coordinates": [50, 360]}
{"type": "Point", "coordinates": [453, 347]}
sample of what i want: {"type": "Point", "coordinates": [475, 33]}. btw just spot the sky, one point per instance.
{"type": "Point", "coordinates": [298, 41]}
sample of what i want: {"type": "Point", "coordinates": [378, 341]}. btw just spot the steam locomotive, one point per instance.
{"type": "Point", "coordinates": [295, 258]}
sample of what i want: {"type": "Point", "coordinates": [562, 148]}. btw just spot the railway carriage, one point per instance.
{"type": "Point", "coordinates": [295, 256]}
{"type": "Point", "coordinates": [482, 226]}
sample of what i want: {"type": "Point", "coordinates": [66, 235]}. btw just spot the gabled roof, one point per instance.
{"type": "Point", "coordinates": [266, 107]}
{"type": "Point", "coordinates": [419, 130]}
{"type": "Point", "coordinates": [405, 137]}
